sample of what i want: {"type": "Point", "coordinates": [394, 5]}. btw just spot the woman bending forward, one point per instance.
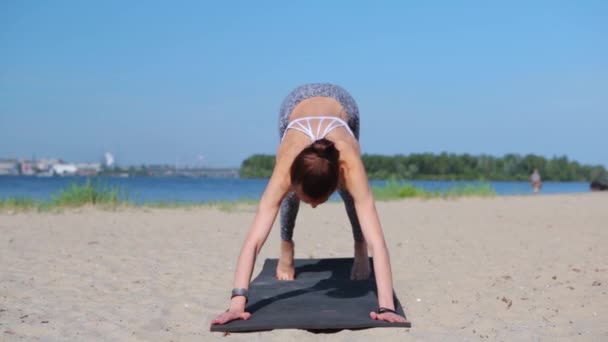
{"type": "Point", "coordinates": [319, 153]}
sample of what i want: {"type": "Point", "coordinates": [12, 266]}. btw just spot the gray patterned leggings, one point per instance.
{"type": "Point", "coordinates": [291, 202]}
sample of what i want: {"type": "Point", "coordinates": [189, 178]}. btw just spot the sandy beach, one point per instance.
{"type": "Point", "coordinates": [532, 268]}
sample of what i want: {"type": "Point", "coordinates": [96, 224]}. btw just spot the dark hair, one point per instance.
{"type": "Point", "coordinates": [316, 169]}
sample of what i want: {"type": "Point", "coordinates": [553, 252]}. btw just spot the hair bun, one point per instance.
{"type": "Point", "coordinates": [325, 148]}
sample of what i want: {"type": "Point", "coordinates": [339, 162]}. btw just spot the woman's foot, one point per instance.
{"type": "Point", "coordinates": [361, 267]}
{"type": "Point", "coordinates": [285, 267]}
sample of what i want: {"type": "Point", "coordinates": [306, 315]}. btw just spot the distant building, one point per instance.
{"type": "Point", "coordinates": [88, 169]}
{"type": "Point", "coordinates": [46, 165]}
{"type": "Point", "coordinates": [9, 167]}
{"type": "Point", "coordinates": [64, 169]}
{"type": "Point", "coordinates": [27, 168]}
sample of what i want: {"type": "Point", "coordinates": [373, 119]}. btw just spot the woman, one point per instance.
{"type": "Point", "coordinates": [319, 153]}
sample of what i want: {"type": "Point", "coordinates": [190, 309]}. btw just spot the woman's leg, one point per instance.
{"type": "Point", "coordinates": [289, 212]}
{"type": "Point", "coordinates": [291, 202]}
{"type": "Point", "coordinates": [361, 266]}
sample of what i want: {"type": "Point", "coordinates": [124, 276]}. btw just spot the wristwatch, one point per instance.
{"type": "Point", "coordinates": [240, 292]}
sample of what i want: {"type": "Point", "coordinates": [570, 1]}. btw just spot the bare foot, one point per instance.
{"type": "Point", "coordinates": [285, 271]}
{"type": "Point", "coordinates": [285, 267]}
{"type": "Point", "coordinates": [361, 267]}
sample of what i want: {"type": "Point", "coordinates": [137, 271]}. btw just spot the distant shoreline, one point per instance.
{"type": "Point", "coordinates": [23, 193]}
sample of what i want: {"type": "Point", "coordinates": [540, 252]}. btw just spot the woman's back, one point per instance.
{"type": "Point", "coordinates": [316, 118]}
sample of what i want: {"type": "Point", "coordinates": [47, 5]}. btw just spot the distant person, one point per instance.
{"type": "Point", "coordinates": [318, 154]}
{"type": "Point", "coordinates": [536, 181]}
{"type": "Point", "coordinates": [598, 185]}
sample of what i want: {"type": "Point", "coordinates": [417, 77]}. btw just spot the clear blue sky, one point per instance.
{"type": "Point", "coordinates": [156, 82]}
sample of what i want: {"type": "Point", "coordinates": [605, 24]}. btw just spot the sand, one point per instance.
{"type": "Point", "coordinates": [531, 268]}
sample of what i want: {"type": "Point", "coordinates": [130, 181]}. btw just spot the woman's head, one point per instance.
{"type": "Point", "coordinates": [315, 172]}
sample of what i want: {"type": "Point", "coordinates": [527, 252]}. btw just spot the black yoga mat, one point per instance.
{"type": "Point", "coordinates": [322, 297]}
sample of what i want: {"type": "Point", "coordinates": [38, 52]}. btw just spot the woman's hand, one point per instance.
{"type": "Point", "coordinates": [388, 317]}
{"type": "Point", "coordinates": [230, 316]}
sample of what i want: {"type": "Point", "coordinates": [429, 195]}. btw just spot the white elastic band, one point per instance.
{"type": "Point", "coordinates": [307, 129]}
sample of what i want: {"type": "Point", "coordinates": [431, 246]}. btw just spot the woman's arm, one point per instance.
{"type": "Point", "coordinates": [356, 182]}
{"type": "Point", "coordinates": [258, 232]}
{"type": "Point", "coordinates": [266, 213]}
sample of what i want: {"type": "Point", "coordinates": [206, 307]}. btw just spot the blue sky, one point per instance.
{"type": "Point", "coordinates": [157, 82]}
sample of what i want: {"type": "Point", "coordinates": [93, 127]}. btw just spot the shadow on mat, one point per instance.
{"type": "Point", "coordinates": [338, 285]}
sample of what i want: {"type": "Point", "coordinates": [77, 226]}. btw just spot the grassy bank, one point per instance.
{"type": "Point", "coordinates": [99, 195]}
{"type": "Point", "coordinates": [394, 190]}
{"type": "Point", "coordinates": [75, 195]}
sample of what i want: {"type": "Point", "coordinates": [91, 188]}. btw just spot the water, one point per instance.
{"type": "Point", "coordinates": [152, 189]}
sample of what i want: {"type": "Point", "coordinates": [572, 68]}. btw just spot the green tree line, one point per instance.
{"type": "Point", "coordinates": [449, 166]}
